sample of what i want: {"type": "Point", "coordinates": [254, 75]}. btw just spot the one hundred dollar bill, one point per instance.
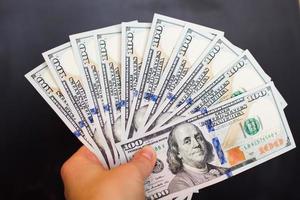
{"type": "Point", "coordinates": [84, 47]}
{"type": "Point", "coordinates": [65, 72]}
{"type": "Point", "coordinates": [42, 80]}
{"type": "Point", "coordinates": [242, 75]}
{"type": "Point", "coordinates": [190, 45]}
{"type": "Point", "coordinates": [134, 39]}
{"type": "Point", "coordinates": [163, 35]}
{"type": "Point", "coordinates": [108, 52]}
{"type": "Point", "coordinates": [214, 59]}
{"type": "Point", "coordinates": [205, 148]}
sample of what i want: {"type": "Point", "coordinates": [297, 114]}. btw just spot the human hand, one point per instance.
{"type": "Point", "coordinates": [85, 178]}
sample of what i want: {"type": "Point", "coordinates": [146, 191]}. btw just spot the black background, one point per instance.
{"type": "Point", "coordinates": [34, 142]}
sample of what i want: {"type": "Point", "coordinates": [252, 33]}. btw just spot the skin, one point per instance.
{"type": "Point", "coordinates": [192, 146]}
{"type": "Point", "coordinates": [85, 178]}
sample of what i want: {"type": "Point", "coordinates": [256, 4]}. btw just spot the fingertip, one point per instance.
{"type": "Point", "coordinates": [144, 161]}
{"type": "Point", "coordinates": [86, 153]}
{"type": "Point", "coordinates": [83, 157]}
{"type": "Point", "coordinates": [148, 153]}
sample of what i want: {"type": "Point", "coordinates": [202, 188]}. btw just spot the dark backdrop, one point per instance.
{"type": "Point", "coordinates": [34, 142]}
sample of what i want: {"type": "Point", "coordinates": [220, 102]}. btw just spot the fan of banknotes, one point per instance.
{"type": "Point", "coordinates": [206, 106]}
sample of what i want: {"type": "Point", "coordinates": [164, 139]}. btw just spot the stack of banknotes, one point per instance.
{"type": "Point", "coordinates": [206, 106]}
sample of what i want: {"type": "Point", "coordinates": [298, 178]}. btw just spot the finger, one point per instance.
{"type": "Point", "coordinates": [88, 155]}
{"type": "Point", "coordinates": [81, 162]}
{"type": "Point", "coordinates": [142, 163]}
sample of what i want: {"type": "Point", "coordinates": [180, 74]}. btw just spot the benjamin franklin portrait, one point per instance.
{"type": "Point", "coordinates": [188, 156]}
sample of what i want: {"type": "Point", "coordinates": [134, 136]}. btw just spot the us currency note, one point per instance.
{"type": "Point", "coordinates": [134, 39]}
{"type": "Point", "coordinates": [42, 80]}
{"type": "Point", "coordinates": [65, 72]}
{"type": "Point", "coordinates": [108, 53]}
{"type": "Point", "coordinates": [206, 148]}
{"type": "Point", "coordinates": [84, 47]}
{"type": "Point", "coordinates": [232, 81]}
{"type": "Point", "coordinates": [163, 36]}
{"type": "Point", "coordinates": [191, 44]}
{"type": "Point", "coordinates": [213, 60]}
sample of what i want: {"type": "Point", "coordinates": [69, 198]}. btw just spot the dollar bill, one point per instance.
{"type": "Point", "coordinates": [242, 75]}
{"type": "Point", "coordinates": [65, 72]}
{"type": "Point", "coordinates": [134, 39]}
{"type": "Point", "coordinates": [190, 45]}
{"type": "Point", "coordinates": [163, 36]}
{"type": "Point", "coordinates": [238, 77]}
{"type": "Point", "coordinates": [205, 148]}
{"type": "Point", "coordinates": [214, 59]}
{"type": "Point", "coordinates": [109, 54]}
{"type": "Point", "coordinates": [84, 47]}
{"type": "Point", "coordinates": [42, 80]}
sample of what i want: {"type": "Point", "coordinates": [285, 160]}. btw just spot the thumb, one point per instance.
{"type": "Point", "coordinates": [142, 163]}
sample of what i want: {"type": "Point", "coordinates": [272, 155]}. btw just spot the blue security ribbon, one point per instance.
{"type": "Point", "coordinates": [94, 111]}
{"type": "Point", "coordinates": [209, 125]}
{"type": "Point", "coordinates": [81, 124]}
{"type": "Point", "coordinates": [150, 96]}
{"type": "Point", "coordinates": [170, 96]}
{"type": "Point", "coordinates": [153, 98]}
{"type": "Point", "coordinates": [120, 104]}
{"type": "Point", "coordinates": [218, 148]}
{"type": "Point", "coordinates": [135, 93]}
{"type": "Point", "coordinates": [91, 119]}
{"type": "Point", "coordinates": [199, 109]}
{"type": "Point", "coordinates": [189, 101]}
{"type": "Point", "coordinates": [76, 133]}
{"type": "Point", "coordinates": [147, 95]}
{"type": "Point", "coordinates": [228, 172]}
{"type": "Point", "coordinates": [203, 110]}
{"type": "Point", "coordinates": [106, 107]}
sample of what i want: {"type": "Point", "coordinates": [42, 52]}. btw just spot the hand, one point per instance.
{"type": "Point", "coordinates": [85, 179]}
